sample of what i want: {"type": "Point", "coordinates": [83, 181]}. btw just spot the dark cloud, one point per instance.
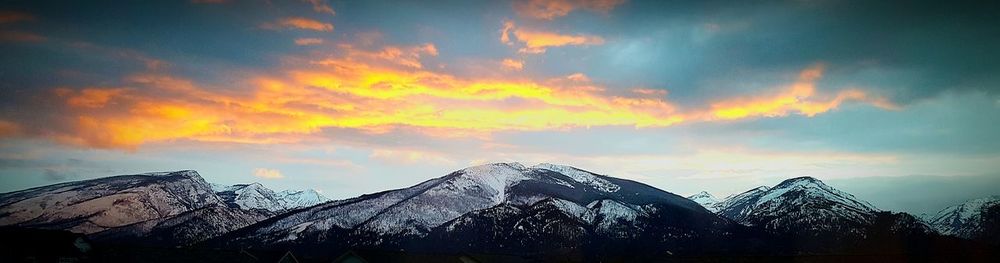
{"type": "Point", "coordinates": [910, 51]}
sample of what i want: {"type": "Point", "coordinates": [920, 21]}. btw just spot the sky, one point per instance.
{"type": "Point", "coordinates": [899, 104]}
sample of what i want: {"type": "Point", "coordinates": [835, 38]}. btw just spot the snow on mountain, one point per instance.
{"type": "Point", "coordinates": [416, 211]}
{"type": "Point", "coordinates": [581, 176]}
{"type": "Point", "coordinates": [291, 199]}
{"type": "Point", "coordinates": [255, 196]}
{"type": "Point", "coordinates": [802, 204]}
{"type": "Point", "coordinates": [96, 205]}
{"type": "Point", "coordinates": [706, 200]}
{"type": "Point", "coordinates": [739, 205]}
{"type": "Point", "coordinates": [184, 229]}
{"type": "Point", "coordinates": [963, 220]}
{"type": "Point", "coordinates": [251, 197]}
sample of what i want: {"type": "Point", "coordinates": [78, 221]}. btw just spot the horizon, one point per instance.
{"type": "Point", "coordinates": [897, 105]}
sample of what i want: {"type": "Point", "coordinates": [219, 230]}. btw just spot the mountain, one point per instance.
{"type": "Point", "coordinates": [803, 205]}
{"type": "Point", "coordinates": [183, 229]}
{"type": "Point", "coordinates": [705, 200]}
{"type": "Point", "coordinates": [504, 207]}
{"type": "Point", "coordinates": [163, 208]}
{"type": "Point", "coordinates": [255, 196]}
{"type": "Point", "coordinates": [96, 205]}
{"type": "Point", "coordinates": [965, 220]}
{"type": "Point", "coordinates": [292, 199]}
{"type": "Point", "coordinates": [813, 217]}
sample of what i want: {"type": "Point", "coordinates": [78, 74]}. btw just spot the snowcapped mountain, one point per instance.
{"type": "Point", "coordinates": [799, 203]}
{"type": "Point", "coordinates": [96, 205]}
{"type": "Point", "coordinates": [501, 198]}
{"type": "Point", "coordinates": [964, 220]}
{"type": "Point", "coordinates": [807, 206]}
{"type": "Point", "coordinates": [255, 196]}
{"type": "Point", "coordinates": [706, 200]}
{"type": "Point", "coordinates": [802, 205]}
{"type": "Point", "coordinates": [292, 199]}
{"type": "Point", "coordinates": [163, 208]}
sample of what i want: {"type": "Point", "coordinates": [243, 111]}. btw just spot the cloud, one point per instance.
{"type": "Point", "coordinates": [267, 173]}
{"type": "Point", "coordinates": [89, 97]}
{"type": "Point", "coordinates": [650, 92]}
{"type": "Point", "coordinates": [800, 97]}
{"type": "Point", "coordinates": [579, 77]}
{"type": "Point", "coordinates": [8, 17]}
{"type": "Point", "coordinates": [321, 6]}
{"type": "Point", "coordinates": [512, 64]}
{"type": "Point", "coordinates": [376, 90]}
{"type": "Point", "coordinates": [536, 42]}
{"type": "Point", "coordinates": [552, 9]}
{"type": "Point", "coordinates": [8, 129]}
{"type": "Point", "coordinates": [410, 157]}
{"type": "Point", "coordinates": [299, 23]}
{"type": "Point", "coordinates": [20, 36]}
{"type": "Point", "coordinates": [308, 41]}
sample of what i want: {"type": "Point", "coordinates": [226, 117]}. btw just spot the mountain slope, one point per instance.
{"type": "Point", "coordinates": [292, 199]}
{"type": "Point", "coordinates": [803, 204]}
{"type": "Point", "coordinates": [964, 220]}
{"type": "Point", "coordinates": [255, 196]}
{"type": "Point", "coordinates": [184, 229]}
{"type": "Point", "coordinates": [705, 200]}
{"type": "Point", "coordinates": [579, 202]}
{"type": "Point", "coordinates": [96, 205]}
{"type": "Point", "coordinates": [823, 219]}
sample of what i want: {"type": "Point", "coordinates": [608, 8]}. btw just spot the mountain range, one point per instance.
{"type": "Point", "coordinates": [163, 208]}
{"type": "Point", "coordinates": [500, 208]}
{"type": "Point", "coordinates": [255, 196]}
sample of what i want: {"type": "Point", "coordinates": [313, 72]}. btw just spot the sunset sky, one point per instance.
{"type": "Point", "coordinates": [899, 104]}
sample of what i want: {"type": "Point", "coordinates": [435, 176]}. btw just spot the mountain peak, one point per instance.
{"type": "Point", "coordinates": [702, 194]}
{"type": "Point", "coordinates": [257, 196]}
{"type": "Point", "coordinates": [706, 200]}
{"type": "Point", "coordinates": [184, 173]}
{"type": "Point", "coordinates": [552, 165]}
{"type": "Point", "coordinates": [799, 180]}
{"type": "Point", "coordinates": [581, 176]}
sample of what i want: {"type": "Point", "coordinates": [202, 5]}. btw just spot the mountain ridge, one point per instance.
{"type": "Point", "coordinates": [430, 209]}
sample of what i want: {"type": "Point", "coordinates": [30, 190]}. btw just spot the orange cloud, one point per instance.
{"type": "Point", "coordinates": [578, 77]}
{"type": "Point", "coordinates": [536, 42]}
{"type": "Point", "coordinates": [650, 92]}
{"type": "Point", "coordinates": [339, 92]}
{"type": "Point", "coordinates": [18, 36]}
{"type": "Point", "coordinates": [551, 9]}
{"type": "Point", "coordinates": [7, 17]}
{"type": "Point", "coordinates": [89, 97]}
{"type": "Point", "coordinates": [375, 91]}
{"type": "Point", "coordinates": [267, 173]}
{"type": "Point", "coordinates": [800, 97]}
{"type": "Point", "coordinates": [512, 64]}
{"type": "Point", "coordinates": [299, 23]}
{"type": "Point", "coordinates": [403, 56]}
{"type": "Point", "coordinates": [308, 41]}
{"type": "Point", "coordinates": [321, 6]}
{"type": "Point", "coordinates": [8, 129]}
